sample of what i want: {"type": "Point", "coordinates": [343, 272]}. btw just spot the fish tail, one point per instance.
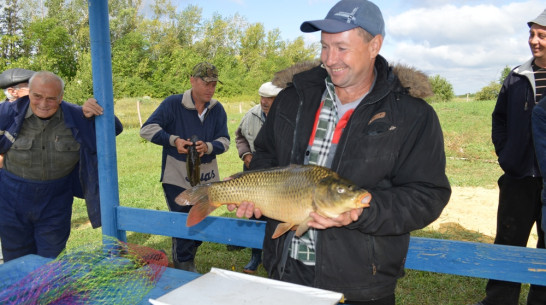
{"type": "Point", "coordinates": [202, 206]}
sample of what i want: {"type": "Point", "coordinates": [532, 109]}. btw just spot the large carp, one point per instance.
{"type": "Point", "coordinates": [287, 194]}
{"type": "Point", "coordinates": [193, 163]}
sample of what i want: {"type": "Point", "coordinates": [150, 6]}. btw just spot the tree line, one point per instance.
{"type": "Point", "coordinates": [152, 53]}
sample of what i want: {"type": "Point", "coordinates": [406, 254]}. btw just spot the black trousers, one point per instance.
{"type": "Point", "coordinates": [183, 249]}
{"type": "Point", "coordinates": [519, 209]}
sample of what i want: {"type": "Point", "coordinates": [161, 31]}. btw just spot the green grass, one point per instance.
{"type": "Point", "coordinates": [471, 162]}
{"type": "Point", "coordinates": [471, 159]}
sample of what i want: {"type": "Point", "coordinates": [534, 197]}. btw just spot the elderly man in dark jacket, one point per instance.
{"type": "Point", "coordinates": [50, 156]}
{"type": "Point", "coordinates": [353, 115]}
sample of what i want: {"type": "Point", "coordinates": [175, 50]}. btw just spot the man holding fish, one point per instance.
{"type": "Point", "coordinates": [185, 125]}
{"type": "Point", "coordinates": [367, 122]}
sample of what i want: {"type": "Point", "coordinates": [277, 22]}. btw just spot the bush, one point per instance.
{"type": "Point", "coordinates": [443, 90]}
{"type": "Point", "coordinates": [489, 92]}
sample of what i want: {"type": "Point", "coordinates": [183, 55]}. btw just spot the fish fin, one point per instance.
{"type": "Point", "coordinates": [192, 196]}
{"type": "Point", "coordinates": [281, 229]}
{"type": "Point", "coordinates": [198, 212]}
{"type": "Point", "coordinates": [202, 206]}
{"type": "Point", "coordinates": [303, 227]}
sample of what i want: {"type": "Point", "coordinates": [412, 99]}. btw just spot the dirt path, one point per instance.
{"type": "Point", "coordinates": [475, 209]}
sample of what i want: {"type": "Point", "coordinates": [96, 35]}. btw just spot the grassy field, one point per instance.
{"type": "Point", "coordinates": [471, 162]}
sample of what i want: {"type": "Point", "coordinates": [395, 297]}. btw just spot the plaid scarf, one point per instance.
{"type": "Point", "coordinates": [303, 248]}
{"type": "Point", "coordinates": [321, 140]}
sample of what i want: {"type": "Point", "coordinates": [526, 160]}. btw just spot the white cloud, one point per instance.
{"type": "Point", "coordinates": [468, 44]}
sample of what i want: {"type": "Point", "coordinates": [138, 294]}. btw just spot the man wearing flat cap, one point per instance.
{"type": "Point", "coordinates": [15, 83]}
{"type": "Point", "coordinates": [520, 185]}
{"type": "Point", "coordinates": [175, 121]}
{"type": "Point", "coordinates": [364, 120]}
{"type": "Point", "coordinates": [248, 129]}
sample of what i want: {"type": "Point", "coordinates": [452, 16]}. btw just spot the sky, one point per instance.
{"type": "Point", "coordinates": [467, 42]}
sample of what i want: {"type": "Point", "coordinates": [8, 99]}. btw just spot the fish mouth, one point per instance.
{"type": "Point", "coordinates": [364, 200]}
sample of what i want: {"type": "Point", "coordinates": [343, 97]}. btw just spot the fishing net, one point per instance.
{"type": "Point", "coordinates": [111, 272]}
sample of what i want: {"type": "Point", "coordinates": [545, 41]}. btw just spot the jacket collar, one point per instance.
{"type": "Point", "coordinates": [187, 101]}
{"type": "Point", "coordinates": [526, 70]}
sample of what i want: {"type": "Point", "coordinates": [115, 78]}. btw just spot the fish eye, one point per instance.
{"type": "Point", "coordinates": [341, 190]}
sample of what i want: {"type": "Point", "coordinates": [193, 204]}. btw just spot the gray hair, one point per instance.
{"type": "Point", "coordinates": [8, 96]}
{"type": "Point", "coordinates": [46, 76]}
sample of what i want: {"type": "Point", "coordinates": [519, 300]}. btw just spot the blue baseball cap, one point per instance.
{"type": "Point", "coordinates": [347, 15]}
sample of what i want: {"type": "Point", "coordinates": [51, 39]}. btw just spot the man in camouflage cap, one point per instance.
{"type": "Point", "coordinates": [206, 71]}
{"type": "Point", "coordinates": [15, 83]}
{"type": "Point", "coordinates": [172, 125]}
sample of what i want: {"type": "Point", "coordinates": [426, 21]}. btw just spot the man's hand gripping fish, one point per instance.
{"type": "Point", "coordinates": [287, 194]}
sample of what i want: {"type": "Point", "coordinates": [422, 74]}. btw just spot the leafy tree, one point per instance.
{"type": "Point", "coordinates": [131, 65]}
{"type": "Point", "coordinates": [188, 24]}
{"type": "Point", "coordinates": [504, 74]}
{"type": "Point", "coordinates": [443, 90]}
{"type": "Point", "coordinates": [73, 15]}
{"type": "Point", "coordinates": [151, 54]}
{"type": "Point", "coordinates": [297, 51]}
{"type": "Point", "coordinates": [51, 47]}
{"type": "Point", "coordinates": [220, 35]}
{"type": "Point", "coordinates": [124, 17]}
{"type": "Point", "coordinates": [172, 74]}
{"type": "Point", "coordinates": [489, 92]}
{"type": "Point", "coordinates": [11, 30]}
{"type": "Point", "coordinates": [252, 45]}
{"type": "Point", "coordinates": [80, 88]}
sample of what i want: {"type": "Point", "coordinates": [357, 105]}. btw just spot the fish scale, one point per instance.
{"type": "Point", "coordinates": [287, 194]}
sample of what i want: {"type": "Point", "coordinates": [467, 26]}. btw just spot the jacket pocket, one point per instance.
{"type": "Point", "coordinates": [390, 255]}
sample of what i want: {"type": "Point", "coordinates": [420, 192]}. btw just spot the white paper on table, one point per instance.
{"type": "Point", "coordinates": [227, 287]}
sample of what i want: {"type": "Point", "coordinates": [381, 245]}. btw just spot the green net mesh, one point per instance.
{"type": "Point", "coordinates": [111, 272]}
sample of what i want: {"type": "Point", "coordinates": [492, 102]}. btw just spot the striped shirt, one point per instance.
{"type": "Point", "coordinates": [540, 82]}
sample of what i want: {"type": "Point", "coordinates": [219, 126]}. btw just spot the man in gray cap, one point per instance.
{"type": "Point", "coordinates": [15, 83]}
{"type": "Point", "coordinates": [520, 185]}
{"type": "Point", "coordinates": [538, 120]}
{"type": "Point", "coordinates": [356, 116]}
{"type": "Point", "coordinates": [175, 121]}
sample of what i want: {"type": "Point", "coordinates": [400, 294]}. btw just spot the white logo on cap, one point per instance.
{"type": "Point", "coordinates": [350, 16]}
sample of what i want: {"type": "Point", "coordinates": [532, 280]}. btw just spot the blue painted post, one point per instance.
{"type": "Point", "coordinates": [99, 31]}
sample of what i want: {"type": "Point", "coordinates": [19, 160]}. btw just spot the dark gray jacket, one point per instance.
{"type": "Point", "coordinates": [393, 147]}
{"type": "Point", "coordinates": [511, 126]}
